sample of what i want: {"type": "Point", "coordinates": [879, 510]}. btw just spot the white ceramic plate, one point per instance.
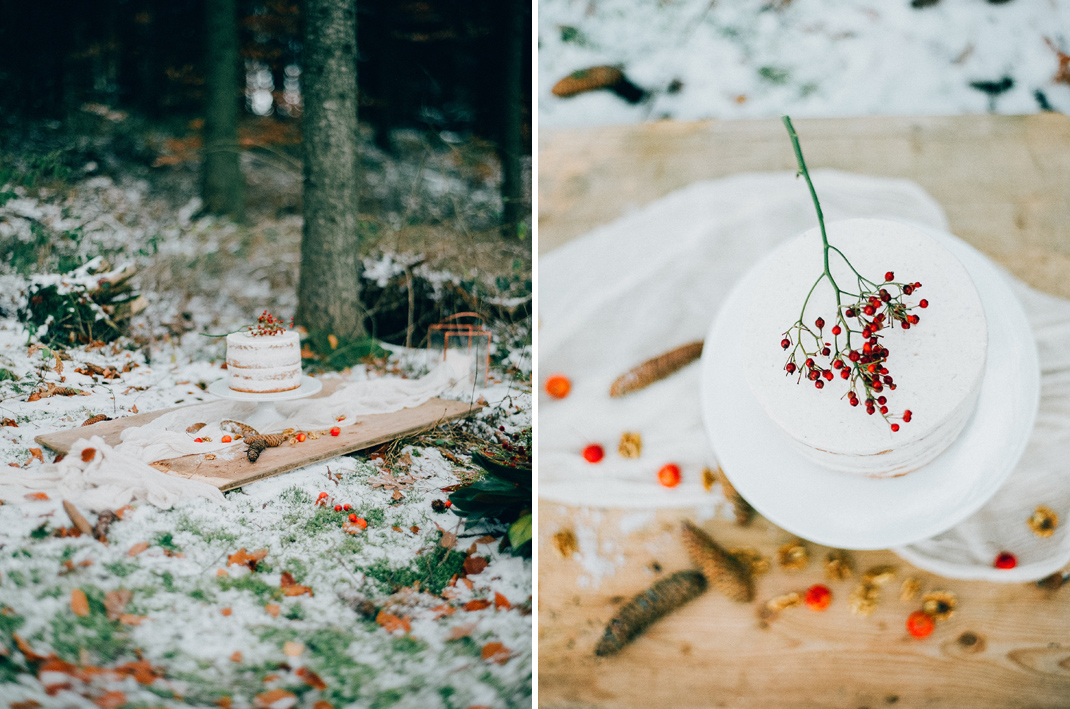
{"type": "Point", "coordinates": [855, 512]}
{"type": "Point", "coordinates": [309, 386]}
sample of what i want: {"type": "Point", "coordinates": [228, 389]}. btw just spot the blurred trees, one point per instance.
{"type": "Point", "coordinates": [223, 188]}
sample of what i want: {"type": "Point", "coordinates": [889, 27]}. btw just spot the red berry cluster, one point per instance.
{"type": "Point", "coordinates": [325, 500]}
{"type": "Point", "coordinates": [874, 308]}
{"type": "Point", "coordinates": [268, 324]}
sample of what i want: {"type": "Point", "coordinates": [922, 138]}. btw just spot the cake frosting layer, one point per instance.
{"type": "Point", "coordinates": [937, 365]}
{"type": "Point", "coordinates": [264, 363]}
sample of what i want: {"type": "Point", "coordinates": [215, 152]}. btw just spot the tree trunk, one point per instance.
{"type": "Point", "coordinates": [328, 293]}
{"type": "Point", "coordinates": [223, 185]}
{"type": "Point", "coordinates": [513, 202]}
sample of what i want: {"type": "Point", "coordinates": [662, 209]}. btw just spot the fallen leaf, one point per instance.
{"type": "Point", "coordinates": [447, 540]}
{"type": "Point", "coordinates": [414, 529]}
{"type": "Point", "coordinates": [110, 700]}
{"type": "Point", "coordinates": [272, 609]}
{"type": "Point", "coordinates": [223, 703]}
{"type": "Point", "coordinates": [121, 512]}
{"type": "Point", "coordinates": [244, 558]}
{"type": "Point", "coordinates": [133, 409]}
{"type": "Point", "coordinates": [311, 678]}
{"type": "Point", "coordinates": [235, 656]}
{"type": "Point", "coordinates": [485, 539]}
{"type": "Point", "coordinates": [87, 454]}
{"type": "Point", "coordinates": [352, 528]}
{"type": "Point", "coordinates": [36, 496]}
{"type": "Point", "coordinates": [137, 548]}
{"type": "Point", "coordinates": [496, 652]}
{"type": "Point", "coordinates": [25, 649]}
{"type": "Point", "coordinates": [36, 453]}
{"type": "Point", "coordinates": [474, 565]}
{"type": "Point", "coordinates": [443, 611]}
{"type": "Point", "coordinates": [292, 648]}
{"type": "Point", "coordinates": [391, 622]}
{"type": "Point", "coordinates": [221, 572]}
{"type": "Point", "coordinates": [141, 671]}
{"type": "Point", "coordinates": [501, 602]}
{"type": "Point", "coordinates": [461, 631]}
{"type": "Point", "coordinates": [397, 495]}
{"type": "Point", "coordinates": [396, 529]}
{"type": "Point", "coordinates": [130, 619]}
{"type": "Point", "coordinates": [79, 603]}
{"type": "Point", "coordinates": [226, 611]}
{"type": "Point", "coordinates": [115, 602]}
{"type": "Point", "coordinates": [296, 590]}
{"type": "Point", "coordinates": [322, 704]}
{"type": "Point", "coordinates": [26, 704]}
{"type": "Point", "coordinates": [477, 605]}
{"type": "Point", "coordinates": [275, 699]}
{"type": "Point", "coordinates": [468, 582]}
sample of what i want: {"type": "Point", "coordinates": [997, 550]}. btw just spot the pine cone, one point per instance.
{"type": "Point", "coordinates": [744, 512]}
{"type": "Point", "coordinates": [95, 419]}
{"type": "Point", "coordinates": [639, 613]}
{"type": "Point", "coordinates": [656, 369]}
{"type": "Point", "coordinates": [238, 427]}
{"type": "Point", "coordinates": [256, 447]}
{"type": "Point", "coordinates": [726, 573]}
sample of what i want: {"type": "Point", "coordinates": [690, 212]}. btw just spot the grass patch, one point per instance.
{"type": "Point", "coordinates": [251, 584]}
{"type": "Point", "coordinates": [432, 570]}
{"type": "Point", "coordinates": [167, 542]}
{"type": "Point", "coordinates": [122, 569]}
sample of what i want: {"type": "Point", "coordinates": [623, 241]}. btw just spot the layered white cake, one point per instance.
{"type": "Point", "coordinates": [938, 364]}
{"type": "Point", "coordinates": [264, 363]}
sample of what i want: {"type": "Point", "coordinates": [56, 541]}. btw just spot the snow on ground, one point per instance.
{"type": "Point", "coordinates": [763, 58]}
{"type": "Point", "coordinates": [392, 617]}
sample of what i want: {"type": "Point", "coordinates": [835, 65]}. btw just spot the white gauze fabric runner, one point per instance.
{"type": "Point", "coordinates": [655, 279]}
{"type": "Point", "coordinates": [116, 476]}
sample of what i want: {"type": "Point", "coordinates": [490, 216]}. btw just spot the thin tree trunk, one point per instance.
{"type": "Point", "coordinates": [329, 288]}
{"type": "Point", "coordinates": [511, 149]}
{"type": "Point", "coordinates": [223, 186]}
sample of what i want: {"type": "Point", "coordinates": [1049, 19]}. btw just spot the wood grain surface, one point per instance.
{"type": "Point", "coordinates": [230, 473]}
{"type": "Point", "coordinates": [1003, 182]}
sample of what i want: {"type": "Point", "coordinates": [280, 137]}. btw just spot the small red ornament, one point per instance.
{"type": "Point", "coordinates": [322, 495]}
{"type": "Point", "coordinates": [347, 507]}
{"type": "Point", "coordinates": [300, 438]}
{"type": "Point", "coordinates": [820, 322]}
{"type": "Point", "coordinates": [352, 517]}
{"type": "Point", "coordinates": [785, 343]}
{"type": "Point", "coordinates": [920, 624]}
{"type": "Point", "coordinates": [669, 475]}
{"type": "Point", "coordinates": [1005, 560]}
{"type": "Point", "coordinates": [558, 386]}
{"type": "Point", "coordinates": [337, 508]}
{"type": "Point", "coordinates": [225, 439]}
{"type": "Point", "coordinates": [335, 431]}
{"type": "Point", "coordinates": [449, 504]}
{"type": "Point", "coordinates": [594, 453]}
{"type": "Point", "coordinates": [198, 440]}
{"type": "Point", "coordinates": [818, 597]}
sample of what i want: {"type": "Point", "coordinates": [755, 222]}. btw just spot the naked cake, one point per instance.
{"type": "Point", "coordinates": [264, 363]}
{"type": "Point", "coordinates": [904, 388]}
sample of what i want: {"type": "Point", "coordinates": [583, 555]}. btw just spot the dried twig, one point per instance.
{"type": "Point", "coordinates": [656, 369]}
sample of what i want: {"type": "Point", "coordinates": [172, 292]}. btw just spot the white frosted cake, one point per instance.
{"type": "Point", "coordinates": [937, 364]}
{"type": "Point", "coordinates": [264, 363]}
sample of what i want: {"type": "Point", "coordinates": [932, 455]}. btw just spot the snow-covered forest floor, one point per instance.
{"type": "Point", "coordinates": [698, 59]}
{"type": "Point", "coordinates": [414, 610]}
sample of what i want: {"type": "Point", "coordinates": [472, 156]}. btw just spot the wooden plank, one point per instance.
{"type": "Point", "coordinates": [1001, 179]}
{"type": "Point", "coordinates": [230, 473]}
{"type": "Point", "coordinates": [715, 652]}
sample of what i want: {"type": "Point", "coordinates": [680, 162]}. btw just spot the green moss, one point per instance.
{"type": "Point", "coordinates": [323, 518]}
{"type": "Point", "coordinates": [198, 594]}
{"type": "Point", "coordinates": [387, 699]}
{"type": "Point", "coordinates": [168, 581]}
{"type": "Point", "coordinates": [122, 569]}
{"type": "Point", "coordinates": [251, 584]}
{"type": "Point", "coordinates": [295, 495]}
{"type": "Point", "coordinates": [409, 645]}
{"type": "Point", "coordinates": [10, 622]}
{"type": "Point", "coordinates": [54, 592]}
{"type": "Point", "coordinates": [298, 569]}
{"type": "Point", "coordinates": [17, 577]}
{"type": "Point", "coordinates": [167, 542]}
{"type": "Point", "coordinates": [433, 570]}
{"type": "Point", "coordinates": [68, 553]}
{"type": "Point", "coordinates": [295, 612]}
{"type": "Point", "coordinates": [40, 532]}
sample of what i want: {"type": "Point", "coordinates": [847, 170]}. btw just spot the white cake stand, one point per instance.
{"type": "Point", "coordinates": [266, 413]}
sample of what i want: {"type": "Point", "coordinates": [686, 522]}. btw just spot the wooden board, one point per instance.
{"type": "Point", "coordinates": [367, 432]}
{"type": "Point", "coordinates": [1002, 181]}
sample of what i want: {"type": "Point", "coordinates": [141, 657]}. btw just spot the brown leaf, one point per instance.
{"type": "Point", "coordinates": [461, 631]}
{"type": "Point", "coordinates": [137, 548]}
{"type": "Point", "coordinates": [79, 602]}
{"type": "Point", "coordinates": [133, 409]}
{"type": "Point", "coordinates": [195, 427]}
{"type": "Point", "coordinates": [496, 652]}
{"type": "Point", "coordinates": [244, 558]}
{"type": "Point", "coordinates": [236, 656]}
{"type": "Point", "coordinates": [414, 529]}
{"type": "Point", "coordinates": [322, 704]}
{"type": "Point", "coordinates": [224, 703]}
{"type": "Point", "coordinates": [486, 539]}
{"type": "Point", "coordinates": [448, 540]}
{"type": "Point", "coordinates": [130, 619]}
{"type": "Point", "coordinates": [36, 453]}
{"type": "Point", "coordinates": [226, 611]}
{"type": "Point", "coordinates": [477, 605]}
{"type": "Point", "coordinates": [292, 648]}
{"type": "Point", "coordinates": [115, 602]}
{"type": "Point", "coordinates": [111, 700]}
{"type": "Point", "coordinates": [311, 678]}
{"type": "Point", "coordinates": [272, 609]}
{"type": "Point", "coordinates": [296, 590]}
{"type": "Point", "coordinates": [474, 565]}
{"type": "Point", "coordinates": [275, 699]}
{"type": "Point", "coordinates": [443, 611]}
{"type": "Point", "coordinates": [396, 495]}
{"type": "Point", "coordinates": [392, 622]}
{"type": "Point", "coordinates": [88, 454]}
{"type": "Point", "coordinates": [501, 602]}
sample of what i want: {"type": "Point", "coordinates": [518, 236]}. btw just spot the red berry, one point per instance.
{"type": "Point", "coordinates": [854, 402]}
{"type": "Point", "coordinates": [347, 507]}
{"type": "Point", "coordinates": [907, 415]}
{"type": "Point", "coordinates": [884, 409]}
{"type": "Point", "coordinates": [888, 276]}
{"type": "Point", "coordinates": [820, 322]}
{"type": "Point", "coordinates": [895, 427]}
{"type": "Point", "coordinates": [908, 289]}
{"type": "Point", "coordinates": [882, 400]}
{"type": "Point", "coordinates": [790, 367]}
{"type": "Point", "coordinates": [818, 597]}
{"type": "Point", "coordinates": [853, 356]}
{"type": "Point", "coordinates": [827, 374]}
{"type": "Point", "coordinates": [353, 517]}
{"type": "Point", "coordinates": [837, 364]}
{"type": "Point", "coordinates": [594, 453]}
{"type": "Point", "coordinates": [809, 362]}
{"type": "Point", "coordinates": [448, 504]}
{"type": "Point", "coordinates": [337, 508]}
{"type": "Point", "coordinates": [813, 375]}
{"type": "Point", "coordinates": [335, 431]}
{"type": "Point", "coordinates": [924, 303]}
{"type": "Point", "coordinates": [844, 374]}
{"type": "Point", "coordinates": [819, 384]}
{"type": "Point", "coordinates": [1005, 560]}
{"type": "Point", "coordinates": [225, 439]}
{"type": "Point", "coordinates": [300, 438]}
{"type": "Point", "coordinates": [322, 495]}
{"type": "Point", "coordinates": [849, 312]}
{"type": "Point", "coordinates": [917, 285]}
{"type": "Point", "coordinates": [558, 386]}
{"type": "Point", "coordinates": [198, 440]}
{"type": "Point", "coordinates": [920, 624]}
{"type": "Point", "coordinates": [785, 343]}
{"type": "Point", "coordinates": [906, 326]}
{"type": "Point", "coordinates": [826, 352]}
{"type": "Point", "coordinates": [869, 310]}
{"type": "Point", "coordinates": [669, 475]}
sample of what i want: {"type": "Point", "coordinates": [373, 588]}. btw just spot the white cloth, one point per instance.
{"type": "Point", "coordinates": [654, 279]}
{"type": "Point", "coordinates": [116, 476]}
